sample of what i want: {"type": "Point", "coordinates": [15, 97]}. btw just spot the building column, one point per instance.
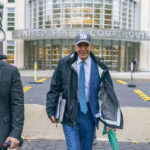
{"type": "Point", "coordinates": [19, 62]}
{"type": "Point", "coordinates": [145, 26]}
{"type": "Point", "coordinates": [144, 64]}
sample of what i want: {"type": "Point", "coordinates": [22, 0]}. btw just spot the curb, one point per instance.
{"type": "Point", "coordinates": [114, 75]}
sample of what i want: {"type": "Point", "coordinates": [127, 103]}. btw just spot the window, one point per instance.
{"type": "Point", "coordinates": [108, 1]}
{"type": "Point", "coordinates": [10, 51]}
{"type": "Point", "coordinates": [56, 1]}
{"type": "Point", "coordinates": [40, 14]}
{"type": "Point", "coordinates": [11, 1]}
{"type": "Point", "coordinates": [10, 19]}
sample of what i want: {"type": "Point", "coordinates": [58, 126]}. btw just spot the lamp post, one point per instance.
{"type": "Point", "coordinates": [1, 29]}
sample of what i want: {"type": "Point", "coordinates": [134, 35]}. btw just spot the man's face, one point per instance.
{"type": "Point", "coordinates": [83, 50]}
{"type": "Point", "coordinates": [5, 60]}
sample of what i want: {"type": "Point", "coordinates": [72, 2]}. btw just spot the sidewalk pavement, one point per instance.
{"type": "Point", "coordinates": [114, 75]}
{"type": "Point", "coordinates": [40, 134]}
{"type": "Point", "coordinates": [60, 145]}
{"type": "Point", "coordinates": [136, 125]}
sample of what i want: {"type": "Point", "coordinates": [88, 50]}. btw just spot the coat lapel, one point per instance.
{"type": "Point", "coordinates": [93, 90]}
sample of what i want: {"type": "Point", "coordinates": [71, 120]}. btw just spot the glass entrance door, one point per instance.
{"type": "Point", "coordinates": [56, 53]}
{"type": "Point", "coordinates": [66, 47]}
{"type": "Point", "coordinates": [40, 54]}
{"type": "Point", "coordinates": [128, 55]}
{"type": "Point", "coordinates": [48, 54]}
{"type": "Point", "coordinates": [97, 50]}
{"type": "Point", "coordinates": [32, 54]}
{"type": "Point", "coordinates": [107, 53]}
{"type": "Point", "coordinates": [115, 55]}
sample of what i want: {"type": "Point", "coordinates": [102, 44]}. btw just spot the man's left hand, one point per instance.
{"type": "Point", "coordinates": [14, 142]}
{"type": "Point", "coordinates": [109, 128]}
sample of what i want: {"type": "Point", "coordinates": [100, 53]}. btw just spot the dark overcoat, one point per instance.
{"type": "Point", "coordinates": [102, 97]}
{"type": "Point", "coordinates": [11, 103]}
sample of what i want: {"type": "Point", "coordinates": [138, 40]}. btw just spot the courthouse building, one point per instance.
{"type": "Point", "coordinates": [44, 31]}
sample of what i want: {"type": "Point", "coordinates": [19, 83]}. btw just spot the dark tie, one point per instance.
{"type": "Point", "coordinates": [82, 97]}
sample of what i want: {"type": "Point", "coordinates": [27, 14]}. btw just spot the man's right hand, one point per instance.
{"type": "Point", "coordinates": [14, 142]}
{"type": "Point", "coordinates": [53, 120]}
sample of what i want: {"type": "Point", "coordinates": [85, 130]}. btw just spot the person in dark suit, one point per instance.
{"type": "Point", "coordinates": [11, 105]}
{"type": "Point", "coordinates": [84, 81]}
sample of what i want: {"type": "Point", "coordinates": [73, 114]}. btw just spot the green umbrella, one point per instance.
{"type": "Point", "coordinates": [112, 138]}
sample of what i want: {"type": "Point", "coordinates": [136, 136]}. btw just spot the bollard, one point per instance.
{"type": "Point", "coordinates": [35, 71]}
{"type": "Point", "coordinates": [35, 75]}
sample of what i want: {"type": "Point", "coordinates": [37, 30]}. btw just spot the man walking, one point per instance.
{"type": "Point", "coordinates": [85, 83]}
{"type": "Point", "coordinates": [11, 105]}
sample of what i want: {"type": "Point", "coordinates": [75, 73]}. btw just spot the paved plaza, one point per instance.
{"type": "Point", "coordinates": [40, 134]}
{"type": "Point", "coordinates": [60, 145]}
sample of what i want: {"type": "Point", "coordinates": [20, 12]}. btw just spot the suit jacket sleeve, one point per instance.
{"type": "Point", "coordinates": [54, 92]}
{"type": "Point", "coordinates": [17, 105]}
